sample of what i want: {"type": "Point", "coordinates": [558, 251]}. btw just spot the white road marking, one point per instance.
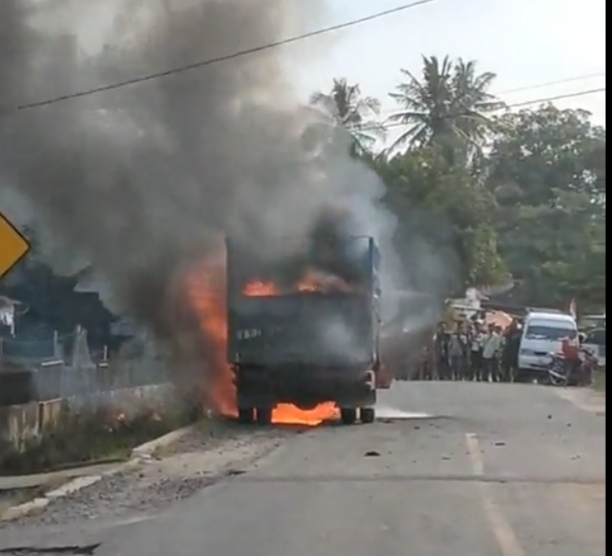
{"type": "Point", "coordinates": [505, 535]}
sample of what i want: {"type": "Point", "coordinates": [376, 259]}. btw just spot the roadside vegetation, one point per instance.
{"type": "Point", "coordinates": [92, 436]}
{"type": "Point", "coordinates": [517, 194]}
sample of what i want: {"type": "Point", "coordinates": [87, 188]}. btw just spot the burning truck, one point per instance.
{"type": "Point", "coordinates": [305, 331]}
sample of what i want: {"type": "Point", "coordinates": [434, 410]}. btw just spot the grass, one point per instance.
{"type": "Point", "coordinates": [91, 436]}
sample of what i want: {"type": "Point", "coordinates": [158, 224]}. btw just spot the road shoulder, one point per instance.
{"type": "Point", "coordinates": [585, 399]}
{"type": "Point", "coordinates": [153, 480]}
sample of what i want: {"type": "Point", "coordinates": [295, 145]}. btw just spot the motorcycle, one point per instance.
{"type": "Point", "coordinates": [562, 372]}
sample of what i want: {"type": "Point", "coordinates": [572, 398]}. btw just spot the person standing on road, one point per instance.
{"type": "Point", "coordinates": [428, 357]}
{"type": "Point", "coordinates": [570, 348]}
{"type": "Point", "coordinates": [425, 364]}
{"type": "Point", "coordinates": [464, 338]}
{"type": "Point", "coordinates": [456, 355]}
{"type": "Point", "coordinates": [476, 343]}
{"type": "Point", "coordinates": [490, 354]}
{"type": "Point", "coordinates": [441, 353]}
{"type": "Point", "coordinates": [510, 350]}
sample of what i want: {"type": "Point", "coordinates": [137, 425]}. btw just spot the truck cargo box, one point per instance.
{"type": "Point", "coordinates": [305, 329]}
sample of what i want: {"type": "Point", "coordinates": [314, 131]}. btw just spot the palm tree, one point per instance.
{"type": "Point", "coordinates": [445, 108]}
{"type": "Point", "coordinates": [426, 104]}
{"type": "Point", "coordinates": [473, 101]}
{"type": "Point", "coordinates": [352, 111]}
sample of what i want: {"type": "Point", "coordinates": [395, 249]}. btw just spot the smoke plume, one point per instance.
{"type": "Point", "coordinates": [143, 181]}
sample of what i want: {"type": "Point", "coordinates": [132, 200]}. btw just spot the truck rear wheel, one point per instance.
{"type": "Point", "coordinates": [367, 414]}
{"type": "Point", "coordinates": [264, 415]}
{"type": "Point", "coordinates": [348, 415]}
{"type": "Point", "coordinates": [246, 415]}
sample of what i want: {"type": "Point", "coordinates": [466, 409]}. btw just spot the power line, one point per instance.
{"type": "Point", "coordinates": [226, 57]}
{"type": "Point", "coordinates": [551, 83]}
{"type": "Point", "coordinates": [531, 87]}
{"type": "Point", "coordinates": [512, 105]}
{"type": "Point", "coordinates": [558, 97]}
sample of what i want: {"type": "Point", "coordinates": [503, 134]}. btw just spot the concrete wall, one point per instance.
{"type": "Point", "coordinates": [23, 424]}
{"type": "Point", "coordinates": [19, 424]}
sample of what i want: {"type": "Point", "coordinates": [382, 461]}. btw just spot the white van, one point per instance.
{"type": "Point", "coordinates": [542, 335]}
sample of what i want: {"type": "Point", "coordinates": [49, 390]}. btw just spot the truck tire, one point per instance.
{"type": "Point", "coordinates": [246, 415]}
{"type": "Point", "coordinates": [348, 415]}
{"type": "Point", "coordinates": [264, 415]}
{"type": "Point", "coordinates": [367, 414]}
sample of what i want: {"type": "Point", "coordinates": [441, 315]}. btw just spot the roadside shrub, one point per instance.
{"type": "Point", "coordinates": [90, 435]}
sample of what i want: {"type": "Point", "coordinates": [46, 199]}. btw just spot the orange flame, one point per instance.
{"type": "Point", "coordinates": [288, 414]}
{"type": "Point", "coordinates": [310, 283]}
{"type": "Point", "coordinates": [314, 281]}
{"type": "Point", "coordinates": [205, 288]}
{"type": "Point", "coordinates": [260, 289]}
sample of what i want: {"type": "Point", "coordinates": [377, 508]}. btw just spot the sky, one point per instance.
{"type": "Point", "coordinates": [527, 43]}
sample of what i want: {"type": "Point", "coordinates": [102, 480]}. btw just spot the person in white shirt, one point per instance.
{"type": "Point", "coordinates": [490, 354]}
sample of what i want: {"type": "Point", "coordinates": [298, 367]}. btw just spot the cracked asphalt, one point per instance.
{"type": "Point", "coordinates": [448, 469]}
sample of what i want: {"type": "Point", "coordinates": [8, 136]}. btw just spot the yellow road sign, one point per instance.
{"type": "Point", "coordinates": [13, 246]}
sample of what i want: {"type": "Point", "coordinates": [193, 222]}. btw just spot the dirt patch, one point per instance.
{"type": "Point", "coordinates": [11, 498]}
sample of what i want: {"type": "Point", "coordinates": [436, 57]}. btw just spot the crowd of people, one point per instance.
{"type": "Point", "coordinates": [474, 351]}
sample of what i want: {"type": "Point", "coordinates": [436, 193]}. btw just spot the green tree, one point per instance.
{"type": "Point", "coordinates": [353, 112]}
{"type": "Point", "coordinates": [446, 107]}
{"type": "Point", "coordinates": [547, 171]}
{"type": "Point", "coordinates": [444, 221]}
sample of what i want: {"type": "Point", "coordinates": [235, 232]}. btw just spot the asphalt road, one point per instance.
{"type": "Point", "coordinates": [473, 469]}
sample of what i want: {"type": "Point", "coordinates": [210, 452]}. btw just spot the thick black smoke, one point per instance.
{"type": "Point", "coordinates": [144, 180]}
